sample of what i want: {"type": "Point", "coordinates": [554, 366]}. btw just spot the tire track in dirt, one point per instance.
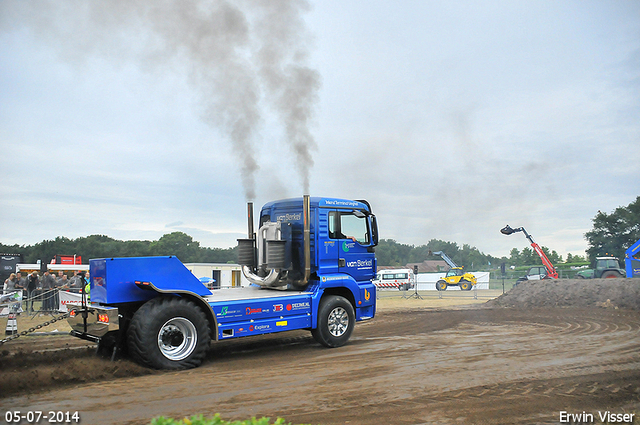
{"type": "Point", "coordinates": [472, 366]}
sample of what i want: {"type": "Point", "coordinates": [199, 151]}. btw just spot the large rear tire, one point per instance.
{"type": "Point", "coordinates": [336, 320]}
{"type": "Point", "coordinates": [441, 285]}
{"type": "Point", "coordinates": [169, 333]}
{"type": "Point", "coordinates": [610, 274]}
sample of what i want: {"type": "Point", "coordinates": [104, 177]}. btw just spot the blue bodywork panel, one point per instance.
{"type": "Point", "coordinates": [632, 265]}
{"type": "Point", "coordinates": [113, 279]}
{"type": "Point", "coordinates": [280, 312]}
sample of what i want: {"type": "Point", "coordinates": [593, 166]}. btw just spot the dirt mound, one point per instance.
{"type": "Point", "coordinates": [606, 293]}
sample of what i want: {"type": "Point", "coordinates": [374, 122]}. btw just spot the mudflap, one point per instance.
{"type": "Point", "coordinates": [112, 346]}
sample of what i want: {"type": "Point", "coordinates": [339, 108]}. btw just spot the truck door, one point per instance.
{"type": "Point", "coordinates": [329, 248]}
{"type": "Point", "coordinates": [351, 231]}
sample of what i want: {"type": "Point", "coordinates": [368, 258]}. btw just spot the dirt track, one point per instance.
{"type": "Point", "coordinates": [471, 365]}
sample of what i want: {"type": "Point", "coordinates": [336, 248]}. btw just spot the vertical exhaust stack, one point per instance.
{"type": "Point", "coordinates": [306, 211]}
{"type": "Point", "coordinates": [247, 247]}
{"type": "Point", "coordinates": [306, 242]}
{"type": "Point", "coordinates": [250, 217]}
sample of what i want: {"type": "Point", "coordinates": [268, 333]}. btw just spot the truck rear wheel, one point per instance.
{"type": "Point", "coordinates": [441, 285]}
{"type": "Point", "coordinates": [611, 274]}
{"type": "Point", "coordinates": [465, 285]}
{"type": "Point", "coordinates": [169, 333]}
{"type": "Point", "coordinates": [336, 320]}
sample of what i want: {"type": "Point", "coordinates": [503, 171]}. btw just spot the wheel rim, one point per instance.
{"type": "Point", "coordinates": [177, 338]}
{"type": "Point", "coordinates": [338, 322]}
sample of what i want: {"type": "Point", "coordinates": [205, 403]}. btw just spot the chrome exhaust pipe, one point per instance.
{"type": "Point", "coordinates": [306, 213]}
{"type": "Point", "coordinates": [307, 237]}
{"type": "Point", "coordinates": [250, 217]}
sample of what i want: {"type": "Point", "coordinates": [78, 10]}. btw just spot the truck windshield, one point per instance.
{"type": "Point", "coordinates": [607, 264]}
{"type": "Point", "coordinates": [343, 225]}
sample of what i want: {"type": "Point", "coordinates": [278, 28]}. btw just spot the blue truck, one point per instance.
{"type": "Point", "coordinates": [310, 264]}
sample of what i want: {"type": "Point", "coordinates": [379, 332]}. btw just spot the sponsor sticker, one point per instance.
{"type": "Point", "coordinates": [225, 312]}
{"type": "Point", "coordinates": [289, 217]}
{"type": "Point", "coordinates": [360, 264]}
{"type": "Point", "coordinates": [298, 306]}
{"type": "Point", "coordinates": [330, 278]}
{"type": "Point", "coordinates": [346, 246]}
{"type": "Point", "coordinates": [339, 203]}
{"type": "Point", "coordinates": [253, 310]}
{"type": "Point", "coordinates": [259, 327]}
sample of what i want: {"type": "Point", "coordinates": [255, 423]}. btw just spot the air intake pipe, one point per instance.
{"type": "Point", "coordinates": [247, 255]}
{"type": "Point", "coordinates": [264, 268]}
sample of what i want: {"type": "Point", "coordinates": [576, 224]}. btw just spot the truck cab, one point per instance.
{"type": "Point", "coordinates": [338, 236]}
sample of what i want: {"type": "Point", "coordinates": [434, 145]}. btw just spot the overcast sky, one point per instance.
{"type": "Point", "coordinates": [134, 119]}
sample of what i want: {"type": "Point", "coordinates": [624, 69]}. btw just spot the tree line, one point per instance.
{"type": "Point", "coordinates": [394, 254]}
{"type": "Point", "coordinates": [99, 246]}
{"type": "Point", "coordinates": [611, 235]}
{"type": "Point", "coordinates": [389, 252]}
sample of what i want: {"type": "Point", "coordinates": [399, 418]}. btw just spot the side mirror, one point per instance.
{"type": "Point", "coordinates": [373, 225]}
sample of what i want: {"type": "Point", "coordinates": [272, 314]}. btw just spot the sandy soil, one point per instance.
{"type": "Point", "coordinates": [518, 359]}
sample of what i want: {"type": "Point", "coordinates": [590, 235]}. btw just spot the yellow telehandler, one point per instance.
{"type": "Point", "coordinates": [455, 276]}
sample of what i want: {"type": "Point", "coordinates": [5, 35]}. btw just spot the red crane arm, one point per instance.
{"type": "Point", "coordinates": [545, 260]}
{"type": "Point", "coordinates": [507, 230]}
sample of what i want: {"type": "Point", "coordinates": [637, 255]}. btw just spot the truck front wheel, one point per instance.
{"type": "Point", "coordinates": [441, 285]}
{"type": "Point", "coordinates": [465, 285]}
{"type": "Point", "coordinates": [169, 333]}
{"type": "Point", "coordinates": [336, 320]}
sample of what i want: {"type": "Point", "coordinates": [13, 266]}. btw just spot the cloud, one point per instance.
{"type": "Point", "coordinates": [451, 119]}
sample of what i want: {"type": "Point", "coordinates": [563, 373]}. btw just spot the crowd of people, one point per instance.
{"type": "Point", "coordinates": [42, 288]}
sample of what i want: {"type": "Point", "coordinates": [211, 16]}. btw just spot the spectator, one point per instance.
{"type": "Point", "coordinates": [10, 284]}
{"type": "Point", "coordinates": [62, 281]}
{"type": "Point", "coordinates": [75, 283]}
{"type": "Point", "coordinates": [21, 282]}
{"type": "Point", "coordinates": [32, 285]}
{"type": "Point", "coordinates": [49, 288]}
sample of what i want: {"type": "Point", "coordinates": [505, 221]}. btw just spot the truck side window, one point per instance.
{"type": "Point", "coordinates": [344, 225]}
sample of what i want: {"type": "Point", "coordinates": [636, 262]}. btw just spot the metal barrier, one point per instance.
{"type": "Point", "coordinates": [477, 294]}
